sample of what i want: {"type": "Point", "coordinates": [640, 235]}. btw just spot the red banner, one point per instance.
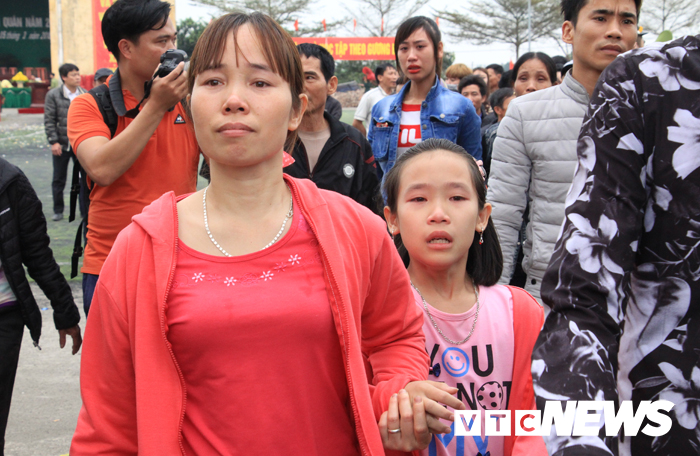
{"type": "Point", "coordinates": [103, 58]}
{"type": "Point", "coordinates": [377, 48]}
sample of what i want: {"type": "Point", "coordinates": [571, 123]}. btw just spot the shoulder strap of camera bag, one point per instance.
{"type": "Point", "coordinates": [109, 116]}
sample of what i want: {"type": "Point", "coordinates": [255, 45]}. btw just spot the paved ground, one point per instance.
{"type": "Point", "coordinates": [46, 398]}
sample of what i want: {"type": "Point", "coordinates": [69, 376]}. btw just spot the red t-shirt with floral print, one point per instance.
{"type": "Point", "coordinates": [256, 342]}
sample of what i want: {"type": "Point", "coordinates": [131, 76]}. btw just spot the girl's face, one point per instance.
{"type": "Point", "coordinates": [532, 76]}
{"type": "Point", "coordinates": [437, 210]}
{"type": "Point", "coordinates": [241, 109]}
{"type": "Point", "coordinates": [417, 56]}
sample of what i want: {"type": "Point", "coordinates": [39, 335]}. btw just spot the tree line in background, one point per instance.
{"type": "Point", "coordinates": [482, 22]}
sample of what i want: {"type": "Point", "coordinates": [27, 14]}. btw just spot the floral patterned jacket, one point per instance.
{"type": "Point", "coordinates": [624, 280]}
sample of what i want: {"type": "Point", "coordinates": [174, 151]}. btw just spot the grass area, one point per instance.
{"type": "Point", "coordinates": [348, 115]}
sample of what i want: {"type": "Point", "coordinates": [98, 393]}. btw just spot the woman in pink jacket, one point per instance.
{"type": "Point", "coordinates": [260, 315]}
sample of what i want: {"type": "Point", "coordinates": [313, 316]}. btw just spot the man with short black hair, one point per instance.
{"type": "Point", "coordinates": [534, 154]}
{"type": "Point", "coordinates": [495, 71]}
{"type": "Point", "coordinates": [56, 107]}
{"type": "Point", "coordinates": [153, 150]}
{"type": "Point", "coordinates": [386, 76]}
{"type": "Point", "coordinates": [473, 87]}
{"type": "Point", "coordinates": [331, 153]}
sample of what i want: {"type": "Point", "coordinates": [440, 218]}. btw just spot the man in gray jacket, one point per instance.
{"type": "Point", "coordinates": [534, 155]}
{"type": "Point", "coordinates": [56, 125]}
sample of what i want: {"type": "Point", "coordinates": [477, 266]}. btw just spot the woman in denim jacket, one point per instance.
{"type": "Point", "coordinates": [423, 108]}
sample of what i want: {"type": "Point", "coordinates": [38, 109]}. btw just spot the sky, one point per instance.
{"type": "Point", "coordinates": [468, 53]}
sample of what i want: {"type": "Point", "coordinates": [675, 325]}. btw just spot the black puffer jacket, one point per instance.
{"type": "Point", "coordinates": [23, 240]}
{"type": "Point", "coordinates": [346, 165]}
{"type": "Point", "coordinates": [56, 116]}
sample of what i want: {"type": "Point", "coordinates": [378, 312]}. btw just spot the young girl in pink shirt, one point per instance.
{"type": "Point", "coordinates": [479, 335]}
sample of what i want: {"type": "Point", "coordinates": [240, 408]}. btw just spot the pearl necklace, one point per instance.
{"type": "Point", "coordinates": [476, 316]}
{"type": "Point", "coordinates": [290, 213]}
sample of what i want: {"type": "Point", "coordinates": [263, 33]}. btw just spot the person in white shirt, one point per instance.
{"type": "Point", "coordinates": [386, 76]}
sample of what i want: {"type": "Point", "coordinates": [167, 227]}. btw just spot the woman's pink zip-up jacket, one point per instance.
{"type": "Point", "coordinates": [133, 391]}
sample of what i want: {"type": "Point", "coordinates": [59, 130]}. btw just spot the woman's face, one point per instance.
{"type": "Point", "coordinates": [483, 76]}
{"type": "Point", "coordinates": [417, 56]}
{"type": "Point", "coordinates": [532, 76]}
{"type": "Point", "coordinates": [241, 109]}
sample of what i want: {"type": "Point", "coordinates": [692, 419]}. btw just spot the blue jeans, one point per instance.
{"type": "Point", "coordinates": [89, 283]}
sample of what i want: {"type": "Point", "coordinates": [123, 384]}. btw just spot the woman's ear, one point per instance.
{"type": "Point", "coordinates": [298, 114]}
{"type": "Point", "coordinates": [440, 50]}
{"type": "Point", "coordinates": [392, 221]}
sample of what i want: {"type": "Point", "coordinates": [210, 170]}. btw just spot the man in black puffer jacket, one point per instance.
{"type": "Point", "coordinates": [24, 241]}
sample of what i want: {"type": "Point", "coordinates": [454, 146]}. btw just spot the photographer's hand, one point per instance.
{"type": "Point", "coordinates": [168, 91]}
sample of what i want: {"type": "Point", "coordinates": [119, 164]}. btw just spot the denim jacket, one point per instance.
{"type": "Point", "coordinates": [444, 114]}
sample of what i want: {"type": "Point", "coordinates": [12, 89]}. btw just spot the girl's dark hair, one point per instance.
{"type": "Point", "coordinates": [412, 24]}
{"type": "Point", "coordinates": [129, 19]}
{"type": "Point", "coordinates": [485, 261]}
{"type": "Point", "coordinates": [542, 57]}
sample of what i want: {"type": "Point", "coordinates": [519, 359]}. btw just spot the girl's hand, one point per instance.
{"type": "Point", "coordinates": [404, 426]}
{"type": "Point", "coordinates": [435, 394]}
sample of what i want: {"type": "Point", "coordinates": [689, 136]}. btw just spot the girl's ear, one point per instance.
{"type": "Point", "coordinates": [392, 221]}
{"type": "Point", "coordinates": [440, 50]}
{"type": "Point", "coordinates": [298, 114]}
{"type": "Point", "coordinates": [483, 218]}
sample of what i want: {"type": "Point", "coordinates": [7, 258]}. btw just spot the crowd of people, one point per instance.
{"type": "Point", "coordinates": [478, 240]}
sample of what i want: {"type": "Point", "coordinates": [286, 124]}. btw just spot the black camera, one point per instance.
{"type": "Point", "coordinates": [169, 61]}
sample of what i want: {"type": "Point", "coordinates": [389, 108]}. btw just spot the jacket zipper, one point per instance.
{"type": "Point", "coordinates": [334, 284]}
{"type": "Point", "coordinates": [167, 344]}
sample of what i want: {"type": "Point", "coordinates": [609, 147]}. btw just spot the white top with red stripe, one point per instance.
{"type": "Point", "coordinates": [409, 129]}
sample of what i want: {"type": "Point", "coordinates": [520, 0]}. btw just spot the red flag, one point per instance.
{"type": "Point", "coordinates": [437, 21]}
{"type": "Point", "coordinates": [354, 24]}
{"type": "Point", "coordinates": [296, 25]}
{"type": "Point", "coordinates": [382, 23]}
{"type": "Point", "coordinates": [324, 25]}
{"type": "Point", "coordinates": [510, 65]}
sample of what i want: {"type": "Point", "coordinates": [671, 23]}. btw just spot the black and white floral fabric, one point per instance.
{"type": "Point", "coordinates": [624, 280]}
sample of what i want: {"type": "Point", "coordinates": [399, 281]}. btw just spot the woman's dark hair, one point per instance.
{"type": "Point", "coordinates": [542, 57]}
{"type": "Point", "coordinates": [412, 24]}
{"type": "Point", "coordinates": [485, 261]}
{"type": "Point", "coordinates": [129, 19]}
{"type": "Point", "coordinates": [506, 80]}
{"type": "Point", "coordinates": [276, 44]}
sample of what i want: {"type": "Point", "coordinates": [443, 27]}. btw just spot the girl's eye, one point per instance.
{"type": "Point", "coordinates": [261, 84]}
{"type": "Point", "coordinates": [418, 199]}
{"type": "Point", "coordinates": [213, 82]}
{"type": "Point", "coordinates": [459, 198]}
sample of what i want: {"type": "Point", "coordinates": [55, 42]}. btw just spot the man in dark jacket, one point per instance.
{"type": "Point", "coordinates": [24, 242]}
{"type": "Point", "coordinates": [331, 153]}
{"type": "Point", "coordinates": [56, 125]}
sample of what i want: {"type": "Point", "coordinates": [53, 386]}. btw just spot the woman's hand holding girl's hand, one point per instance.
{"type": "Point", "coordinates": [407, 419]}
{"type": "Point", "coordinates": [435, 394]}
